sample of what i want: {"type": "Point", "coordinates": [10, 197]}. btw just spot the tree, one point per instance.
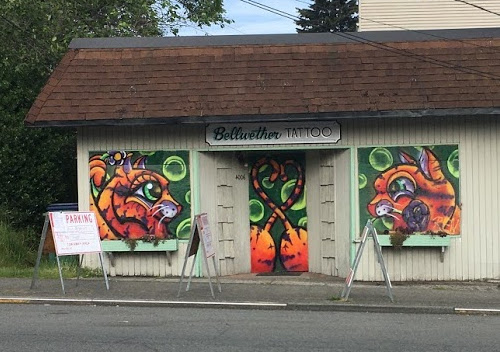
{"type": "Point", "coordinates": [328, 16]}
{"type": "Point", "coordinates": [38, 166]}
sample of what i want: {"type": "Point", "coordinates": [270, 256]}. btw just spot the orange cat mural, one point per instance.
{"type": "Point", "coordinates": [416, 196]}
{"type": "Point", "coordinates": [134, 201]}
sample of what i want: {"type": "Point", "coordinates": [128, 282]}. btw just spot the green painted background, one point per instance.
{"type": "Point", "coordinates": [278, 192]}
{"type": "Point", "coordinates": [174, 165]}
{"type": "Point", "coordinates": [383, 158]}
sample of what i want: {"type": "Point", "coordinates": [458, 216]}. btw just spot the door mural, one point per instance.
{"type": "Point", "coordinates": [410, 189]}
{"type": "Point", "coordinates": [278, 217]}
{"type": "Point", "coordinates": [141, 195]}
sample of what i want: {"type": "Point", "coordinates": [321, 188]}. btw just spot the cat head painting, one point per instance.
{"type": "Point", "coordinates": [133, 201]}
{"type": "Point", "coordinates": [416, 196]}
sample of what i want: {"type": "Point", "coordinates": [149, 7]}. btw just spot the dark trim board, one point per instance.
{"type": "Point", "coordinates": [284, 39]}
{"type": "Point", "coordinates": [202, 120]}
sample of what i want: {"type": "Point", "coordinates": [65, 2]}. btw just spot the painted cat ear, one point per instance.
{"type": "Point", "coordinates": [406, 158]}
{"type": "Point", "coordinates": [429, 164]}
{"type": "Point", "coordinates": [127, 166]}
{"type": "Point", "coordinates": [140, 163]}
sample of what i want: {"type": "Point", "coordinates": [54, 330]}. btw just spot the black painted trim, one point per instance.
{"type": "Point", "coordinates": [284, 39]}
{"type": "Point", "coordinates": [201, 120]}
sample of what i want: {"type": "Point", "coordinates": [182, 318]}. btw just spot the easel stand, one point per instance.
{"type": "Point", "coordinates": [368, 231]}
{"type": "Point", "coordinates": [80, 261]}
{"type": "Point", "coordinates": [200, 232]}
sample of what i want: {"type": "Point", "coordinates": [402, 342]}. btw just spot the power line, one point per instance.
{"type": "Point", "coordinates": [462, 1]}
{"type": "Point", "coordinates": [478, 7]}
{"type": "Point", "coordinates": [429, 34]}
{"type": "Point", "coordinates": [402, 52]}
{"type": "Point", "coordinates": [305, 2]}
{"type": "Point", "coordinates": [416, 31]}
{"type": "Point", "coordinates": [187, 24]}
{"type": "Point", "coordinates": [196, 28]}
{"type": "Point", "coordinates": [234, 28]}
{"type": "Point", "coordinates": [270, 9]}
{"type": "Point", "coordinates": [423, 58]}
{"type": "Point", "coordinates": [283, 13]}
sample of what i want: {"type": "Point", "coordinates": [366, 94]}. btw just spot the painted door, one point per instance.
{"type": "Point", "coordinates": [278, 214]}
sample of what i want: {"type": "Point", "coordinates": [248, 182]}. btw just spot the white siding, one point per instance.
{"type": "Point", "coordinates": [232, 215]}
{"type": "Point", "coordinates": [343, 210]}
{"type": "Point", "coordinates": [383, 15]}
{"type": "Point", "coordinates": [329, 210]}
{"type": "Point", "coordinates": [328, 188]}
{"type": "Point", "coordinates": [474, 255]}
{"type": "Point", "coordinates": [314, 225]}
{"type": "Point", "coordinates": [143, 263]}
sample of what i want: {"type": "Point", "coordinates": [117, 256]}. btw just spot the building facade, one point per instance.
{"type": "Point", "coordinates": [290, 144]}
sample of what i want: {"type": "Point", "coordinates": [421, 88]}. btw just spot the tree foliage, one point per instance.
{"type": "Point", "coordinates": [38, 166]}
{"type": "Point", "coordinates": [329, 16]}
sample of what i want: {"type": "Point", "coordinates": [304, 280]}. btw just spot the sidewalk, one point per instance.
{"type": "Point", "coordinates": [305, 292]}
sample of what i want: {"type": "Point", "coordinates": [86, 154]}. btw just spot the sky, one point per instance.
{"type": "Point", "coordinates": [250, 19]}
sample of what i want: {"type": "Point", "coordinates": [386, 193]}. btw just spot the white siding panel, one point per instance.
{"type": "Point", "coordinates": [232, 215]}
{"type": "Point", "coordinates": [471, 256]}
{"type": "Point", "coordinates": [343, 209]}
{"type": "Point", "coordinates": [315, 228]}
{"type": "Point", "coordinates": [475, 254]}
{"type": "Point", "coordinates": [327, 210]}
{"type": "Point", "coordinates": [494, 231]}
{"type": "Point", "coordinates": [376, 15]}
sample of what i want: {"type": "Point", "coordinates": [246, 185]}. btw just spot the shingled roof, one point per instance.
{"type": "Point", "coordinates": [278, 77]}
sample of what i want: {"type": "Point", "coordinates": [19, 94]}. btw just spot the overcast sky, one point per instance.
{"type": "Point", "coordinates": [253, 20]}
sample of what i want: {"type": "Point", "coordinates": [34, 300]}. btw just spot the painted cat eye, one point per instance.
{"type": "Point", "coordinates": [152, 191]}
{"type": "Point", "coordinates": [149, 191]}
{"type": "Point", "coordinates": [402, 186]}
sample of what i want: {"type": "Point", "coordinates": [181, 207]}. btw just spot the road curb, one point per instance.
{"type": "Point", "coordinates": [477, 311]}
{"type": "Point", "coordinates": [144, 303]}
{"type": "Point", "coordinates": [373, 308]}
{"type": "Point", "coordinates": [355, 308]}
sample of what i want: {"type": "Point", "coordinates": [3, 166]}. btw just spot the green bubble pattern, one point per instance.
{"type": "Point", "coordinates": [174, 168]}
{"type": "Point", "coordinates": [453, 164]}
{"type": "Point", "coordinates": [256, 210]}
{"type": "Point", "coordinates": [362, 181]}
{"type": "Point", "coordinates": [380, 159]}
{"type": "Point", "coordinates": [287, 190]}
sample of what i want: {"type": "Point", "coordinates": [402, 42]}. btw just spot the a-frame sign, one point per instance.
{"type": "Point", "coordinates": [368, 231]}
{"type": "Point", "coordinates": [73, 233]}
{"type": "Point", "coordinates": [200, 232]}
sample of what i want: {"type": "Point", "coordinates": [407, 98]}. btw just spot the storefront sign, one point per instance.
{"type": "Point", "coordinates": [273, 133]}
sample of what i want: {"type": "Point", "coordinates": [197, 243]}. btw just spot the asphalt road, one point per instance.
{"type": "Point", "coordinates": [90, 328]}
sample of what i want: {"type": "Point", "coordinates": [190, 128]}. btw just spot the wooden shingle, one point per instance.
{"type": "Point", "coordinates": [261, 77]}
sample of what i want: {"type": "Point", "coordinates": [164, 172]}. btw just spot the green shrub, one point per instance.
{"type": "Point", "coordinates": [16, 247]}
{"type": "Point", "coordinates": [18, 257]}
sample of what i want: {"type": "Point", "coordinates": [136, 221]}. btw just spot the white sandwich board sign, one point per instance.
{"type": "Point", "coordinates": [75, 233]}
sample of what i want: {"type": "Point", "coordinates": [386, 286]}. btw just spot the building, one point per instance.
{"type": "Point", "coordinates": [391, 15]}
{"type": "Point", "coordinates": [290, 143]}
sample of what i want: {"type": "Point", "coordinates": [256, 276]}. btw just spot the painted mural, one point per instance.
{"type": "Point", "coordinates": [410, 189]}
{"type": "Point", "coordinates": [278, 218]}
{"type": "Point", "coordinates": [139, 194]}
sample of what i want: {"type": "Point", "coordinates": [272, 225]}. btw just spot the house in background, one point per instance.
{"type": "Point", "coordinates": [390, 15]}
{"type": "Point", "coordinates": [290, 143]}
